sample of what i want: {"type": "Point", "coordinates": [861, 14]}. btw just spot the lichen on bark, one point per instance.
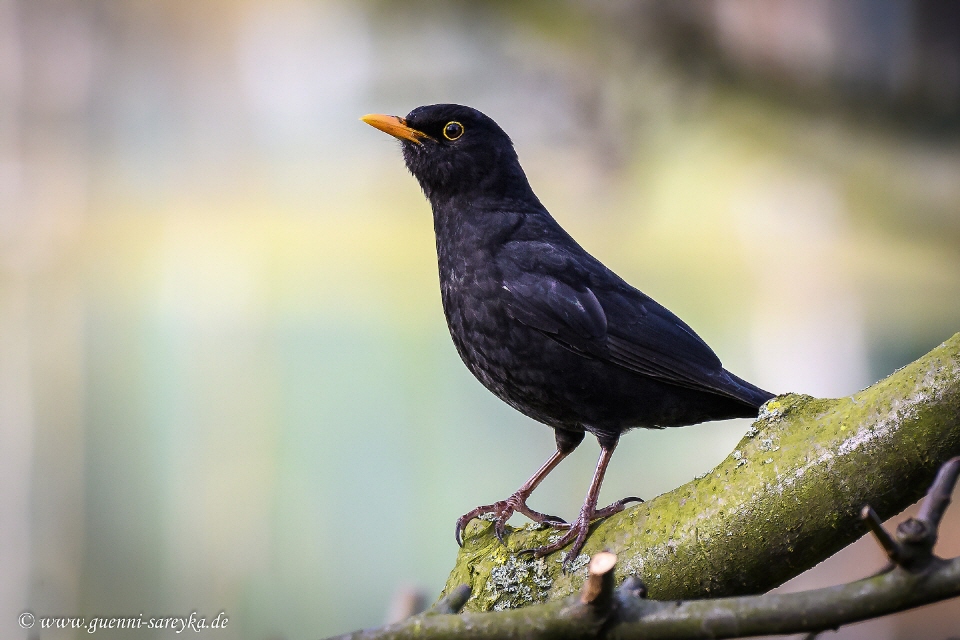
{"type": "Point", "coordinates": [785, 499]}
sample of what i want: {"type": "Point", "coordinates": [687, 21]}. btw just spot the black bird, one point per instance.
{"type": "Point", "coordinates": [543, 324]}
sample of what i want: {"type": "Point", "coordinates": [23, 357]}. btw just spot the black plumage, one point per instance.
{"type": "Point", "coordinates": [543, 324]}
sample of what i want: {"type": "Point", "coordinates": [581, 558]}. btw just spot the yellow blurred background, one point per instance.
{"type": "Point", "coordinates": [225, 379]}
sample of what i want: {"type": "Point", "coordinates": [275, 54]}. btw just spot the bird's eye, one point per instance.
{"type": "Point", "coordinates": [453, 130]}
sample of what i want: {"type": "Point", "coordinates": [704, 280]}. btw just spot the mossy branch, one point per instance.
{"type": "Point", "coordinates": [916, 577]}
{"type": "Point", "coordinates": [788, 497]}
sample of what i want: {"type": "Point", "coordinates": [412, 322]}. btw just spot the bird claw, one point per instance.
{"type": "Point", "coordinates": [464, 520]}
{"type": "Point", "coordinates": [577, 535]}
{"type": "Point", "coordinates": [616, 507]}
{"type": "Point", "coordinates": [501, 512]}
{"type": "Point", "coordinates": [577, 532]}
{"type": "Point", "coordinates": [499, 529]}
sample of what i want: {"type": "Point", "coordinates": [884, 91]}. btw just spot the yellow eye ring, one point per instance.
{"type": "Point", "coordinates": [453, 130]}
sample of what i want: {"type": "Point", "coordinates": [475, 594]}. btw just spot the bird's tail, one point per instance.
{"type": "Point", "coordinates": [747, 393]}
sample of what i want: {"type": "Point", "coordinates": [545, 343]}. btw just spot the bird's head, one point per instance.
{"type": "Point", "coordinates": [455, 151]}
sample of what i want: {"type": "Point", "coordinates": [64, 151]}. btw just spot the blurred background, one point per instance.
{"type": "Point", "coordinates": [225, 379]}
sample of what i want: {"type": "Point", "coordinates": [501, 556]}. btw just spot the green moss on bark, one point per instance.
{"type": "Point", "coordinates": [787, 498]}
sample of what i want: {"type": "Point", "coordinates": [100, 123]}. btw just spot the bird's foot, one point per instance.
{"type": "Point", "coordinates": [577, 531]}
{"type": "Point", "coordinates": [616, 507]}
{"type": "Point", "coordinates": [501, 512]}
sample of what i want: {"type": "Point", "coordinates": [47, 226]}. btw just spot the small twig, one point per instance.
{"type": "Point", "coordinates": [916, 537]}
{"type": "Point", "coordinates": [938, 498]}
{"type": "Point", "coordinates": [889, 545]}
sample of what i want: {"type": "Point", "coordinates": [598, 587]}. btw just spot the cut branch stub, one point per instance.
{"type": "Point", "coordinates": [452, 602]}
{"type": "Point", "coordinates": [598, 588]}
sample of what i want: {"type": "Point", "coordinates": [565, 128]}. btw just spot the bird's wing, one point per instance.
{"type": "Point", "coordinates": [648, 338]}
{"type": "Point", "coordinates": [617, 324]}
{"type": "Point", "coordinates": [574, 317]}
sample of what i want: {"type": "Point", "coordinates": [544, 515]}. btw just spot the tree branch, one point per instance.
{"type": "Point", "coordinates": [625, 614]}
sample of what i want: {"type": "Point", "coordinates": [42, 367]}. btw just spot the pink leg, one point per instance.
{"type": "Point", "coordinates": [578, 530]}
{"type": "Point", "coordinates": [503, 509]}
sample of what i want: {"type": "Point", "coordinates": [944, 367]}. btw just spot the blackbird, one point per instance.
{"type": "Point", "coordinates": [542, 323]}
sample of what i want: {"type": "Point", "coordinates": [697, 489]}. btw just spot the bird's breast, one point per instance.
{"type": "Point", "coordinates": [506, 356]}
{"type": "Point", "coordinates": [476, 316]}
{"type": "Point", "coordinates": [509, 358]}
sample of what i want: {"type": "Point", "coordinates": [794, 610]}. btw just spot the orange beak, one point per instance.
{"type": "Point", "coordinates": [397, 127]}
